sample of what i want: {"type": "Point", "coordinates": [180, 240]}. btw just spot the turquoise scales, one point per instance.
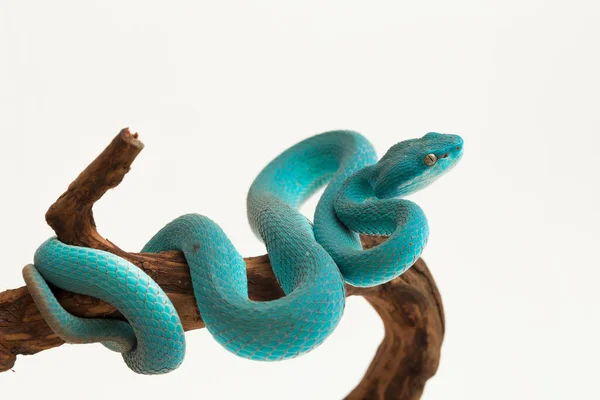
{"type": "Point", "coordinates": [310, 262]}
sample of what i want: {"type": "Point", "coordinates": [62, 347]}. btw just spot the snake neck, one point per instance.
{"type": "Point", "coordinates": [360, 210]}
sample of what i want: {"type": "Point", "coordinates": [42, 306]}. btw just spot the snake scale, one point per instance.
{"type": "Point", "coordinates": [311, 261]}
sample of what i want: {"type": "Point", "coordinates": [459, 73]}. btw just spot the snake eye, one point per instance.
{"type": "Point", "coordinates": [430, 159]}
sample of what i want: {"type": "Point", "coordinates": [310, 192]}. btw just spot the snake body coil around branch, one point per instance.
{"type": "Point", "coordinates": [311, 262]}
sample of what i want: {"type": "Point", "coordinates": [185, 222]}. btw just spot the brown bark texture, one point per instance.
{"type": "Point", "coordinates": [410, 305]}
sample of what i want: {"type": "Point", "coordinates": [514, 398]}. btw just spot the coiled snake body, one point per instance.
{"type": "Point", "coordinates": [311, 262]}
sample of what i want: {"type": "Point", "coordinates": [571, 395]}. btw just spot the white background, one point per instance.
{"type": "Point", "coordinates": [217, 89]}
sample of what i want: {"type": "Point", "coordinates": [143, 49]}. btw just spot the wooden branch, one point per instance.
{"type": "Point", "coordinates": [410, 306]}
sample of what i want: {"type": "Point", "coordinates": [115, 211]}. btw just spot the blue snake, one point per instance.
{"type": "Point", "coordinates": [311, 261]}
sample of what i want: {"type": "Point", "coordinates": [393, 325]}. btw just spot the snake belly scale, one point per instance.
{"type": "Point", "coordinates": [311, 262]}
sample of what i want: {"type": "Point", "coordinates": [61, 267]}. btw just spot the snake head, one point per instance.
{"type": "Point", "coordinates": [413, 164]}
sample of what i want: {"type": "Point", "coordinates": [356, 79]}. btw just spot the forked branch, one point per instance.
{"type": "Point", "coordinates": [410, 306]}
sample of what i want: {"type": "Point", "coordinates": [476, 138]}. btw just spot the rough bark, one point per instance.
{"type": "Point", "coordinates": [410, 306]}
